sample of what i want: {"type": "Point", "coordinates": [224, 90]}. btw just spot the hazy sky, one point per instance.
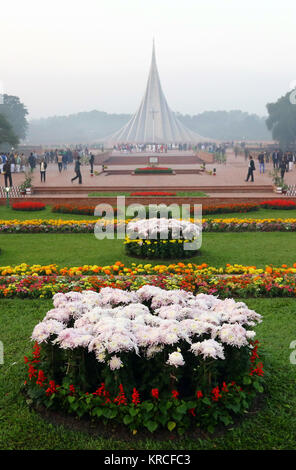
{"type": "Point", "coordinates": [67, 56]}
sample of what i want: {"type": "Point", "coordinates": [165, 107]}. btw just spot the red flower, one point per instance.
{"type": "Point", "coordinates": [216, 394]}
{"type": "Point", "coordinates": [36, 353]}
{"type": "Point", "coordinates": [258, 370]}
{"type": "Point", "coordinates": [52, 388]}
{"type": "Point", "coordinates": [28, 206]}
{"type": "Point", "coordinates": [72, 389]}
{"type": "Point", "coordinates": [121, 398]}
{"type": "Point", "coordinates": [175, 394]}
{"type": "Point", "coordinates": [32, 371]}
{"type": "Point", "coordinates": [192, 412]}
{"type": "Point", "coordinates": [135, 397]}
{"type": "Point", "coordinates": [224, 388]}
{"type": "Point", "coordinates": [100, 391]}
{"type": "Point", "coordinates": [199, 394]}
{"type": "Point", "coordinates": [41, 378]}
{"type": "Point", "coordinates": [155, 393]}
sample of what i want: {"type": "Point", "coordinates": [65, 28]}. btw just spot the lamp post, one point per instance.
{"type": "Point", "coordinates": [7, 196]}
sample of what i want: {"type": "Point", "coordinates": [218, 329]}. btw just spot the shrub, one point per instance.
{"type": "Point", "coordinates": [28, 206]}
{"type": "Point", "coordinates": [161, 238]}
{"type": "Point", "coordinates": [227, 208]}
{"type": "Point", "coordinates": [72, 209]}
{"type": "Point", "coordinates": [150, 358]}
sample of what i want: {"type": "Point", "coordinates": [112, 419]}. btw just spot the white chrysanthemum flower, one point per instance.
{"type": "Point", "coordinates": [175, 359]}
{"type": "Point", "coordinates": [208, 348]}
{"type": "Point", "coordinates": [115, 363]}
{"type": "Point", "coordinates": [233, 334]}
{"type": "Point", "coordinates": [45, 329]}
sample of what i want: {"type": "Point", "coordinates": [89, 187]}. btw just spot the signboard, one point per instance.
{"type": "Point", "coordinates": [153, 160]}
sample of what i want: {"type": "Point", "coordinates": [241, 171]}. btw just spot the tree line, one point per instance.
{"type": "Point", "coordinates": [86, 127]}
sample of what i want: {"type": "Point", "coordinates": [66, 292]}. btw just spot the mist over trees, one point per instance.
{"type": "Point", "coordinates": [93, 125]}
{"type": "Point", "coordinates": [228, 125]}
{"type": "Point", "coordinates": [282, 120]}
{"type": "Point", "coordinates": [7, 135]}
{"type": "Point", "coordinates": [15, 112]}
{"type": "Point", "coordinates": [76, 128]}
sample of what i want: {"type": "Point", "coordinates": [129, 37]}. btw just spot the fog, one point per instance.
{"type": "Point", "coordinates": [68, 56]}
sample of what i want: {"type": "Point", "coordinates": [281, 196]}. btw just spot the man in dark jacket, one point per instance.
{"type": "Point", "coordinates": [251, 169]}
{"type": "Point", "coordinates": [77, 171]}
{"type": "Point", "coordinates": [91, 162]}
{"type": "Point", "coordinates": [7, 173]}
{"type": "Point", "coordinates": [283, 169]}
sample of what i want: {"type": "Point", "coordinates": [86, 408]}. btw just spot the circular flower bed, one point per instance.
{"type": "Point", "coordinates": [28, 206]}
{"type": "Point", "coordinates": [149, 358]}
{"type": "Point", "coordinates": [161, 238]}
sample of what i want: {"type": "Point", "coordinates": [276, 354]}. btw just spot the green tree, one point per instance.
{"type": "Point", "coordinates": [15, 112]}
{"type": "Point", "coordinates": [7, 135]}
{"type": "Point", "coordinates": [282, 121]}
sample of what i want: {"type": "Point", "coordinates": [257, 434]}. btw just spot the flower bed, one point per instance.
{"type": "Point", "coordinates": [161, 238]}
{"type": "Point", "coordinates": [120, 269]}
{"type": "Point", "coordinates": [239, 285]}
{"type": "Point", "coordinates": [146, 359]}
{"type": "Point", "coordinates": [153, 170]}
{"type": "Point", "coordinates": [86, 226]}
{"type": "Point", "coordinates": [73, 209]}
{"type": "Point", "coordinates": [227, 208]}
{"type": "Point", "coordinates": [28, 206]}
{"type": "Point", "coordinates": [278, 204]}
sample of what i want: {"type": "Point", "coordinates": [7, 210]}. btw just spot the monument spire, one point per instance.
{"type": "Point", "coordinates": [154, 122]}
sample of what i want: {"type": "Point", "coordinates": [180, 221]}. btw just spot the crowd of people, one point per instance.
{"type": "Point", "coordinates": [11, 163]}
{"type": "Point", "coordinates": [282, 161]}
{"type": "Point", "coordinates": [153, 148]}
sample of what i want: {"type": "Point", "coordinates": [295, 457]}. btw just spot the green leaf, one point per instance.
{"type": "Point", "coordinates": [171, 425]}
{"type": "Point", "coordinates": [127, 419]}
{"type": "Point", "coordinates": [258, 387]}
{"type": "Point", "coordinates": [226, 419]}
{"type": "Point", "coordinates": [151, 425]}
{"type": "Point", "coordinates": [71, 399]}
{"type": "Point", "coordinates": [148, 406]}
{"type": "Point", "coordinates": [247, 380]}
{"type": "Point", "coordinates": [98, 412]}
{"type": "Point", "coordinates": [133, 411]}
{"type": "Point", "coordinates": [181, 409]}
{"type": "Point", "coordinates": [206, 401]}
{"type": "Point", "coordinates": [107, 413]}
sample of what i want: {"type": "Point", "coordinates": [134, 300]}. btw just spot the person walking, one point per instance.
{"type": "Point", "coordinates": [65, 161]}
{"type": "Point", "coordinates": [282, 167]}
{"type": "Point", "coordinates": [60, 162]}
{"type": "Point", "coordinates": [32, 161]}
{"type": "Point", "coordinates": [18, 163]}
{"type": "Point", "coordinates": [7, 173]}
{"type": "Point", "coordinates": [91, 162]}
{"type": "Point", "coordinates": [43, 166]}
{"type": "Point", "coordinates": [251, 169]}
{"type": "Point", "coordinates": [77, 171]}
{"type": "Point", "coordinates": [261, 162]}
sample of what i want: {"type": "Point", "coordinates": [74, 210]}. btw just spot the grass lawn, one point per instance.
{"type": "Point", "coordinates": [217, 249]}
{"type": "Point", "coordinates": [273, 427]}
{"type": "Point", "coordinates": [8, 213]}
{"type": "Point", "coordinates": [260, 214]}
